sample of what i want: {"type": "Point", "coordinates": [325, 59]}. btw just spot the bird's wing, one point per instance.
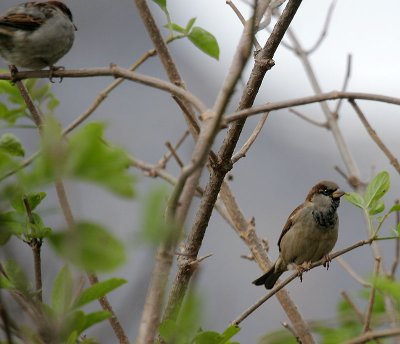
{"type": "Point", "coordinates": [23, 19]}
{"type": "Point", "coordinates": [289, 222]}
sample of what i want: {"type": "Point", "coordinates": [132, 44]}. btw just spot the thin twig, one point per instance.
{"type": "Point", "coordinates": [287, 326]}
{"type": "Point", "coordinates": [163, 161]}
{"type": "Point", "coordinates": [396, 258]}
{"type": "Point", "coordinates": [242, 114]}
{"type": "Point", "coordinates": [367, 337]}
{"type": "Point", "coordinates": [353, 273]}
{"type": "Point", "coordinates": [6, 320]}
{"type": "Point", "coordinates": [105, 92]}
{"type": "Point", "coordinates": [174, 154]}
{"type": "Point", "coordinates": [117, 72]}
{"type": "Point", "coordinates": [230, 3]}
{"type": "Point", "coordinates": [392, 159]}
{"type": "Point", "coordinates": [279, 286]}
{"type": "Point", "coordinates": [309, 120]}
{"type": "Point", "coordinates": [371, 298]}
{"type": "Point", "coordinates": [245, 148]}
{"type": "Point", "coordinates": [356, 310]}
{"type": "Point", "coordinates": [345, 84]}
{"type": "Point", "coordinates": [324, 29]}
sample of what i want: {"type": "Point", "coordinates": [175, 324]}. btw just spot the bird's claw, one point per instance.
{"type": "Point", "coordinates": [300, 269]}
{"type": "Point", "coordinates": [327, 261]}
{"type": "Point", "coordinates": [13, 72]}
{"type": "Point", "coordinates": [53, 69]}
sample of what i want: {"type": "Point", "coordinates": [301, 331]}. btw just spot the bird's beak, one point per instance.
{"type": "Point", "coordinates": [76, 29]}
{"type": "Point", "coordinates": [338, 193]}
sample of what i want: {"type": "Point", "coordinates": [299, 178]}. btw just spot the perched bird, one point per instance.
{"type": "Point", "coordinates": [309, 234]}
{"type": "Point", "coordinates": [35, 35]}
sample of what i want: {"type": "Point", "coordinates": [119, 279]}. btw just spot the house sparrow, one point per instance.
{"type": "Point", "coordinates": [35, 34]}
{"type": "Point", "coordinates": [309, 234]}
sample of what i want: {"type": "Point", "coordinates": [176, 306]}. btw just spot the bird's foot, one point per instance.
{"type": "Point", "coordinates": [300, 269]}
{"type": "Point", "coordinates": [327, 261]}
{"type": "Point", "coordinates": [53, 69]}
{"type": "Point", "coordinates": [13, 72]}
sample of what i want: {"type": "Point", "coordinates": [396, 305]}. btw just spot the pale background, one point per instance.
{"type": "Point", "coordinates": [287, 159]}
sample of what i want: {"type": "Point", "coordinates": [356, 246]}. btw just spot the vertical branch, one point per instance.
{"type": "Point", "coordinates": [262, 64]}
{"type": "Point", "coordinates": [371, 298]}
{"type": "Point", "coordinates": [396, 258]}
{"type": "Point", "coordinates": [36, 245]}
{"type": "Point", "coordinates": [66, 209]}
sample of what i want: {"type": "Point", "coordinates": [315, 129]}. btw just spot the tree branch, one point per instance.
{"type": "Point", "coordinates": [374, 136]}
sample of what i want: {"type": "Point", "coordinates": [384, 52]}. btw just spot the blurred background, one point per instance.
{"type": "Point", "coordinates": [289, 156]}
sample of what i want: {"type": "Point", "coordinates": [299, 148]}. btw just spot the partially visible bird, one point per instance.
{"type": "Point", "coordinates": [309, 234]}
{"type": "Point", "coordinates": [35, 35]}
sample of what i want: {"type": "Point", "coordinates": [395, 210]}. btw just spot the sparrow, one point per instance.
{"type": "Point", "coordinates": [35, 35]}
{"type": "Point", "coordinates": [309, 234]}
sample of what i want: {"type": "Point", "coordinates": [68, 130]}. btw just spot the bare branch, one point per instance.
{"type": "Point", "coordinates": [243, 151]}
{"type": "Point", "coordinates": [324, 29]}
{"type": "Point", "coordinates": [309, 120]}
{"type": "Point", "coordinates": [392, 159]}
{"type": "Point", "coordinates": [353, 273]}
{"type": "Point", "coordinates": [163, 161]}
{"type": "Point", "coordinates": [367, 337]}
{"type": "Point", "coordinates": [396, 258]}
{"type": "Point", "coordinates": [356, 310]}
{"type": "Point", "coordinates": [242, 20]}
{"type": "Point", "coordinates": [242, 114]}
{"type": "Point", "coordinates": [116, 72]}
{"type": "Point", "coordinates": [291, 330]}
{"type": "Point", "coordinates": [174, 154]}
{"type": "Point", "coordinates": [345, 83]}
{"type": "Point", "coordinates": [371, 297]}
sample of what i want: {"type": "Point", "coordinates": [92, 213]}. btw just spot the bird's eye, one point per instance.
{"type": "Point", "coordinates": [325, 192]}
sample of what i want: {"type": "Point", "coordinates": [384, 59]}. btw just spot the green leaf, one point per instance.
{"type": "Point", "coordinates": [95, 318]}
{"type": "Point", "coordinates": [91, 159]}
{"type": "Point", "coordinates": [89, 246]}
{"type": "Point", "coordinates": [33, 198]}
{"type": "Point", "coordinates": [388, 286]}
{"type": "Point", "coordinates": [98, 290]}
{"type": "Point", "coordinates": [355, 198]}
{"type": "Point", "coordinates": [61, 296]}
{"type": "Point", "coordinates": [155, 229]}
{"type": "Point", "coordinates": [377, 207]}
{"type": "Point", "coordinates": [377, 188]}
{"type": "Point", "coordinates": [162, 4]}
{"type": "Point", "coordinates": [186, 325]}
{"type": "Point", "coordinates": [211, 337]}
{"type": "Point", "coordinates": [176, 28]}
{"type": "Point", "coordinates": [395, 207]}
{"type": "Point", "coordinates": [190, 24]}
{"type": "Point", "coordinates": [205, 41]}
{"type": "Point", "coordinates": [12, 145]}
{"type": "Point", "coordinates": [85, 156]}
{"type": "Point", "coordinates": [72, 339]}
{"type": "Point", "coordinates": [11, 223]}
{"type": "Point", "coordinates": [16, 277]}
{"type": "Point", "coordinates": [230, 332]}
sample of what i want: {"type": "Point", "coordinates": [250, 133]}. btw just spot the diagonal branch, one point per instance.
{"type": "Point", "coordinates": [392, 159]}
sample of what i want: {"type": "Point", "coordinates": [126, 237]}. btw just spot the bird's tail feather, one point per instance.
{"type": "Point", "coordinates": [269, 278]}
